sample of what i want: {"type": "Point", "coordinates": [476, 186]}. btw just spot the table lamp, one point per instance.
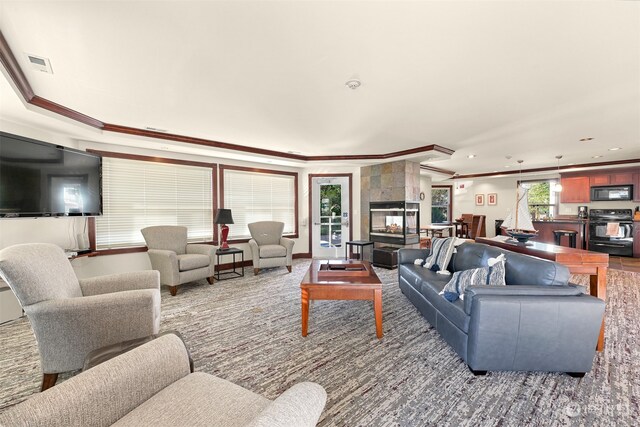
{"type": "Point", "coordinates": [223, 217]}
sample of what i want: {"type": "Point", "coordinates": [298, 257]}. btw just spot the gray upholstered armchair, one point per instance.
{"type": "Point", "coordinates": [268, 247]}
{"type": "Point", "coordinates": [152, 385]}
{"type": "Point", "coordinates": [72, 317]}
{"type": "Point", "coordinates": [177, 261]}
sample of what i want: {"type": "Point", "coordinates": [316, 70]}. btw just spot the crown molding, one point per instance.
{"type": "Point", "coordinates": [10, 63]}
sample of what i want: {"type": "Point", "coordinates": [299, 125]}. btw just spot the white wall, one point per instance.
{"type": "Point", "coordinates": [425, 205]}
{"type": "Point", "coordinates": [63, 231]}
{"type": "Point", "coordinates": [465, 190]}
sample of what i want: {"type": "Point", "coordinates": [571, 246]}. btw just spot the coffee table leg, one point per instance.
{"type": "Point", "coordinates": [305, 311]}
{"type": "Point", "coordinates": [377, 310]}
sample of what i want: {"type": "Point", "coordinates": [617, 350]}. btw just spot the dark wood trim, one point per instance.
{"type": "Point", "coordinates": [91, 227]}
{"type": "Point", "coordinates": [20, 80]}
{"type": "Point", "coordinates": [151, 159]}
{"type": "Point", "coordinates": [550, 169]}
{"type": "Point", "coordinates": [425, 148]}
{"type": "Point", "coordinates": [257, 170]}
{"type": "Point", "coordinates": [310, 203]}
{"type": "Point", "coordinates": [214, 201]}
{"type": "Point", "coordinates": [10, 64]}
{"type": "Point", "coordinates": [265, 171]}
{"type": "Point", "coordinates": [450, 187]}
{"type": "Point", "coordinates": [119, 251]}
{"type": "Point", "coordinates": [438, 170]}
{"type": "Point", "coordinates": [66, 112]}
{"type": "Point", "coordinates": [302, 255]}
{"type": "Point", "coordinates": [197, 141]}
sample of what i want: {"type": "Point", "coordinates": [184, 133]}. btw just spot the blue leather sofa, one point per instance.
{"type": "Point", "coordinates": [538, 322]}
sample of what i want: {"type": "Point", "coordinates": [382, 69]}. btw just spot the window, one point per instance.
{"type": "Point", "coordinates": [440, 204]}
{"type": "Point", "coordinates": [543, 201]}
{"type": "Point", "coordinates": [259, 195]}
{"type": "Point", "coordinates": [138, 194]}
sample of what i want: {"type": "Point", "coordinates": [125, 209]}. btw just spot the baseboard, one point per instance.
{"type": "Point", "coordinates": [302, 255]}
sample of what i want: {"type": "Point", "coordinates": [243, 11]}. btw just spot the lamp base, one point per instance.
{"type": "Point", "coordinates": [224, 233]}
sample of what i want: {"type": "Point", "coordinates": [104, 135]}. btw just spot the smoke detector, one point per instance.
{"type": "Point", "coordinates": [353, 84]}
{"type": "Point", "coordinates": [39, 63]}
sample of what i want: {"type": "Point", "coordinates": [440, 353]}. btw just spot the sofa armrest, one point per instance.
{"type": "Point", "coordinates": [539, 333]}
{"type": "Point", "coordinates": [166, 262]}
{"type": "Point", "coordinates": [149, 279]}
{"type": "Point", "coordinates": [108, 391]}
{"type": "Point", "coordinates": [408, 256]}
{"type": "Point", "coordinates": [472, 292]}
{"type": "Point", "coordinates": [202, 249]}
{"type": "Point", "coordinates": [70, 328]}
{"type": "Point", "coordinates": [299, 406]}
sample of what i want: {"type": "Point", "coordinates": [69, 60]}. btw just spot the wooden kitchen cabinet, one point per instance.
{"type": "Point", "coordinates": [636, 187]}
{"type": "Point", "coordinates": [622, 178]}
{"type": "Point", "coordinates": [601, 179]}
{"type": "Point", "coordinates": [575, 189]}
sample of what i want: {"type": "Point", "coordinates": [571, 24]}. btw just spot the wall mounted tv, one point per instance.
{"type": "Point", "coordinates": [41, 179]}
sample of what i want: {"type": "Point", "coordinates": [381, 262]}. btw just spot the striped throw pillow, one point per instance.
{"type": "Point", "coordinates": [441, 252]}
{"type": "Point", "coordinates": [492, 275]}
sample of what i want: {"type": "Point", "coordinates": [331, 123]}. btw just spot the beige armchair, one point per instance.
{"type": "Point", "coordinates": [177, 261]}
{"type": "Point", "coordinates": [268, 247]}
{"type": "Point", "coordinates": [71, 317]}
{"type": "Point", "coordinates": [152, 385]}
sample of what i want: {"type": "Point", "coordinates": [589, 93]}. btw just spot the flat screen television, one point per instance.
{"type": "Point", "coordinates": [42, 179]}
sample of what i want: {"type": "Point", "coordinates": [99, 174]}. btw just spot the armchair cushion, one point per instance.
{"type": "Point", "coordinates": [149, 279]}
{"type": "Point", "coordinates": [272, 251]}
{"type": "Point", "coordinates": [192, 261]}
{"type": "Point", "coordinates": [166, 237]}
{"type": "Point", "coordinates": [266, 232]}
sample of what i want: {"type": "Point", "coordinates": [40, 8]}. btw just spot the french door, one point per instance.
{"type": "Point", "coordinates": [330, 215]}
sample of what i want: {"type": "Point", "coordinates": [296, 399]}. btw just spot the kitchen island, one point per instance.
{"type": "Point", "coordinates": [547, 227]}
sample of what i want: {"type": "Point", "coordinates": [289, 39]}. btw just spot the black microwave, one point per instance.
{"type": "Point", "coordinates": [612, 192]}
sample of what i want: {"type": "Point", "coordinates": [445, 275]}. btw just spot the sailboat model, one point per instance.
{"type": "Point", "coordinates": [518, 224]}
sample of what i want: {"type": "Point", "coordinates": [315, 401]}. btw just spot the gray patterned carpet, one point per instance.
{"type": "Point", "coordinates": [248, 331]}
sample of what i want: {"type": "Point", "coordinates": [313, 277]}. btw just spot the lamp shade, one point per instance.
{"type": "Point", "coordinates": [223, 216]}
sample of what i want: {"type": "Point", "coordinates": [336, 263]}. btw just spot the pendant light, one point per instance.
{"type": "Point", "coordinates": [558, 187]}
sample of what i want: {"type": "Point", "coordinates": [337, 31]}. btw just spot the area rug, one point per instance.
{"type": "Point", "coordinates": [247, 330]}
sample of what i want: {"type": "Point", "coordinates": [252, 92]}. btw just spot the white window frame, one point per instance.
{"type": "Point", "coordinates": [160, 191]}
{"type": "Point", "coordinates": [251, 184]}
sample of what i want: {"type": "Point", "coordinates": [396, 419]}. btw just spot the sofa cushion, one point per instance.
{"type": "Point", "coordinates": [520, 269]}
{"type": "Point", "coordinates": [198, 399]}
{"type": "Point", "coordinates": [192, 261]}
{"type": "Point", "coordinates": [441, 252]}
{"type": "Point", "coordinates": [272, 251]}
{"type": "Point", "coordinates": [491, 275]}
{"type": "Point", "coordinates": [431, 289]}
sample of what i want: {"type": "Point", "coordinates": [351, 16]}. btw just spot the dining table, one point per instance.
{"type": "Point", "coordinates": [433, 229]}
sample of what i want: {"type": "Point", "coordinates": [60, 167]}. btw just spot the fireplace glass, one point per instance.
{"type": "Point", "coordinates": [394, 222]}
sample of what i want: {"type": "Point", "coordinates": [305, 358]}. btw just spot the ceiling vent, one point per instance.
{"type": "Point", "coordinates": [40, 63]}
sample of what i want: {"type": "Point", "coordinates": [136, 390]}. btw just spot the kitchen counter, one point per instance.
{"type": "Point", "coordinates": [546, 229]}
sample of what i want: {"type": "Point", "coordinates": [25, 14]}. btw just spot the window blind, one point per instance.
{"type": "Point", "coordinates": [257, 196]}
{"type": "Point", "coordinates": [138, 194]}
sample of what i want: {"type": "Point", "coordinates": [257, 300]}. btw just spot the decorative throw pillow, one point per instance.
{"type": "Point", "coordinates": [492, 275]}
{"type": "Point", "coordinates": [441, 252]}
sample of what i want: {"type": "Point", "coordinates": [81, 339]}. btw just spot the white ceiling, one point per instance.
{"type": "Point", "coordinates": [495, 79]}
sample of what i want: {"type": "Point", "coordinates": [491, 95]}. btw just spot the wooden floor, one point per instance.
{"type": "Point", "coordinates": [625, 263]}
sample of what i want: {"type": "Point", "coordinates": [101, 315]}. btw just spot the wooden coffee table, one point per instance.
{"type": "Point", "coordinates": [344, 280]}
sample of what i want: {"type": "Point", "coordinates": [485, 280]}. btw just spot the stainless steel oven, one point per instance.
{"type": "Point", "coordinates": [611, 231]}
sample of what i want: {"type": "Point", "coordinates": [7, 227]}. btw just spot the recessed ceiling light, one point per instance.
{"type": "Point", "coordinates": [155, 129]}
{"type": "Point", "coordinates": [596, 157]}
{"type": "Point", "coordinates": [586, 139]}
{"type": "Point", "coordinates": [471, 156]}
{"type": "Point", "coordinates": [569, 164]}
{"type": "Point", "coordinates": [507, 166]}
{"type": "Point", "coordinates": [615, 149]}
{"type": "Point", "coordinates": [495, 171]}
